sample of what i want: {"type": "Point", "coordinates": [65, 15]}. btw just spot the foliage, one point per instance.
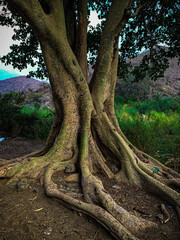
{"type": "Point", "coordinates": [27, 50]}
{"type": "Point", "coordinates": [10, 111]}
{"type": "Point", "coordinates": [152, 126]}
{"type": "Point", "coordinates": [17, 119]}
{"type": "Point", "coordinates": [93, 40]}
{"type": "Point", "coordinates": [157, 22]}
{"type": "Point", "coordinates": [34, 97]}
{"type": "Point", "coordinates": [17, 98]}
{"type": "Point", "coordinates": [151, 24]}
{"type": "Point", "coordinates": [38, 121]}
{"type": "Point", "coordinates": [157, 104]}
{"type": "Point", "coordinates": [129, 89]}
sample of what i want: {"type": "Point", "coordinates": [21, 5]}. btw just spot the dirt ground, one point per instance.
{"type": "Point", "coordinates": [26, 213]}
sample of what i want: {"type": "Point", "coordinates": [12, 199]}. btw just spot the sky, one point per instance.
{"type": "Point", "coordinates": [6, 41]}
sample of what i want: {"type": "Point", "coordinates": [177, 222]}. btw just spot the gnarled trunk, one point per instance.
{"type": "Point", "coordinates": [85, 130]}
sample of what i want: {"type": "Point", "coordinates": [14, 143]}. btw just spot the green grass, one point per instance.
{"type": "Point", "coordinates": [152, 126]}
{"type": "Point", "coordinates": [38, 121]}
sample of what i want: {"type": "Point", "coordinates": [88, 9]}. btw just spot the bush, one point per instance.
{"type": "Point", "coordinates": [152, 126]}
{"type": "Point", "coordinates": [11, 104]}
{"type": "Point", "coordinates": [17, 119]}
{"type": "Point", "coordinates": [38, 121]}
{"type": "Point", "coordinates": [158, 104]}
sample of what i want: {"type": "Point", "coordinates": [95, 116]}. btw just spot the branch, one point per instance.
{"type": "Point", "coordinates": [114, 24]}
{"type": "Point", "coordinates": [138, 9]}
{"type": "Point", "coordinates": [81, 47]}
{"type": "Point", "coordinates": [32, 13]}
{"type": "Point", "coordinates": [44, 23]}
{"type": "Point", "coordinates": [56, 10]}
{"type": "Point", "coordinates": [128, 14]}
{"type": "Point", "coordinates": [26, 8]}
{"type": "Point", "coordinates": [70, 19]}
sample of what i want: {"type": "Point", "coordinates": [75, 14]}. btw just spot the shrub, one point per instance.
{"type": "Point", "coordinates": [152, 126]}
{"type": "Point", "coordinates": [38, 121]}
{"type": "Point", "coordinates": [17, 119]}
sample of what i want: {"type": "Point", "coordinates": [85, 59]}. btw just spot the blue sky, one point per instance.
{"type": "Point", "coordinates": [6, 41]}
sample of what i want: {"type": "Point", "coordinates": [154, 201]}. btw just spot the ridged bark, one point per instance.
{"type": "Point", "coordinates": [85, 130]}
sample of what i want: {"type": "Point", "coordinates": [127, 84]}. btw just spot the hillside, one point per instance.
{"type": "Point", "coordinates": [19, 84]}
{"type": "Point", "coordinates": [167, 86]}
{"type": "Point", "coordinates": [44, 93]}
{"type": "Point", "coordinates": [35, 91]}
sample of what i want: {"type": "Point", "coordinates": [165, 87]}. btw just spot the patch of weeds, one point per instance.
{"type": "Point", "coordinates": [155, 170]}
{"type": "Point", "coordinates": [152, 126]}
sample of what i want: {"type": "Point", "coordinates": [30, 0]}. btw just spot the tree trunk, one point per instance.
{"type": "Point", "coordinates": [85, 130]}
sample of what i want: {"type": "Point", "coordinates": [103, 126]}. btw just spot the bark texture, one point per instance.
{"type": "Point", "coordinates": [85, 130]}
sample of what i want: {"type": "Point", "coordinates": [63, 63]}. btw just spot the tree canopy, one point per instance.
{"type": "Point", "coordinates": [150, 25]}
{"type": "Point", "coordinates": [85, 135]}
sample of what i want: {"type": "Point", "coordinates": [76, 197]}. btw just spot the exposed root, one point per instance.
{"type": "Point", "coordinates": [138, 168]}
{"type": "Point", "coordinates": [144, 157]}
{"type": "Point", "coordinates": [165, 212]}
{"type": "Point", "coordinates": [178, 212]}
{"type": "Point", "coordinates": [94, 192]}
{"type": "Point", "coordinates": [95, 153]}
{"type": "Point", "coordinates": [102, 216]}
{"type": "Point", "coordinates": [134, 168]}
{"type": "Point", "coordinates": [28, 168]}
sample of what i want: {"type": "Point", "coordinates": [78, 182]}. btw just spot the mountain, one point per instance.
{"type": "Point", "coordinates": [44, 93]}
{"type": "Point", "coordinates": [34, 90]}
{"type": "Point", "coordinates": [19, 84]}
{"type": "Point", "coordinates": [167, 86]}
{"type": "Point", "coordinates": [5, 74]}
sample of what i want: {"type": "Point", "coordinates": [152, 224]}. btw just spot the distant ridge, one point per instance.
{"type": "Point", "coordinates": [18, 84]}
{"type": "Point", "coordinates": [167, 86]}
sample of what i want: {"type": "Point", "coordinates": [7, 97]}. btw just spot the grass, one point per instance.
{"type": "Point", "coordinates": [152, 126]}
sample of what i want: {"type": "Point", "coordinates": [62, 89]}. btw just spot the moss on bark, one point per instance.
{"type": "Point", "coordinates": [85, 130]}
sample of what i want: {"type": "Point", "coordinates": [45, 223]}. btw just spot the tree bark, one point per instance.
{"type": "Point", "coordinates": [85, 130]}
{"type": "Point", "coordinates": [81, 47]}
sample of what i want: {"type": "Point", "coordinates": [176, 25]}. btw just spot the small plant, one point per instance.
{"type": "Point", "coordinates": [37, 106]}
{"type": "Point", "coordinates": [155, 170]}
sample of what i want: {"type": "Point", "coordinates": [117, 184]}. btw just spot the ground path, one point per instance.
{"type": "Point", "coordinates": [28, 214]}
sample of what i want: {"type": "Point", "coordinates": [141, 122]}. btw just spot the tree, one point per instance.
{"type": "Point", "coordinates": [85, 129]}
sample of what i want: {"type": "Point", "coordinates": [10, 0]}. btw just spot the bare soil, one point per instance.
{"type": "Point", "coordinates": [26, 213]}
